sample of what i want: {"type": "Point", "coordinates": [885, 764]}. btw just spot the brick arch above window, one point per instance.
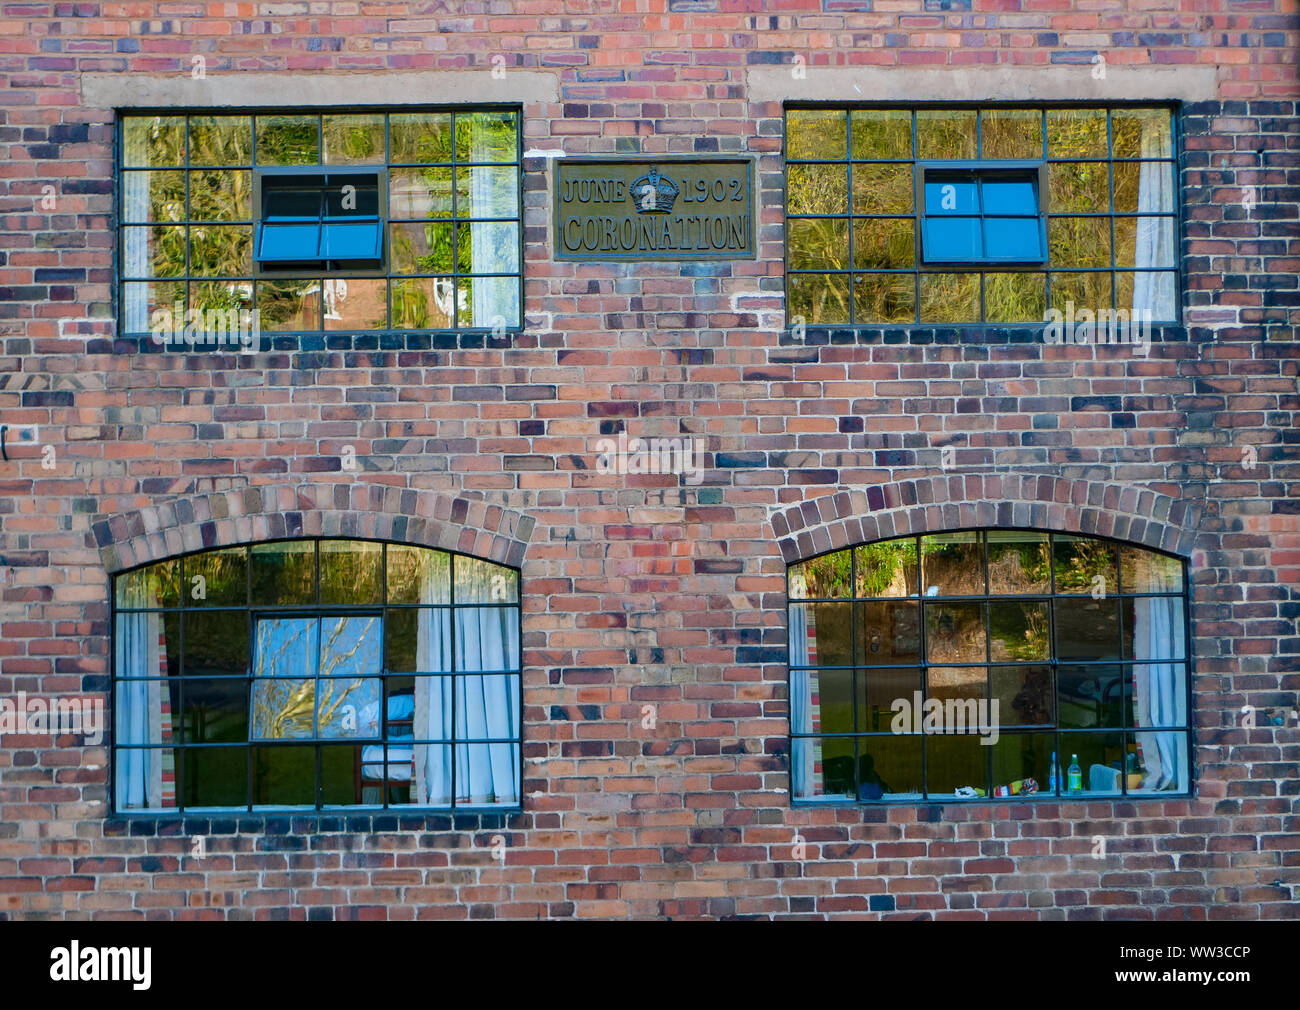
{"type": "Point", "coordinates": [1028, 501]}
{"type": "Point", "coordinates": [138, 536]}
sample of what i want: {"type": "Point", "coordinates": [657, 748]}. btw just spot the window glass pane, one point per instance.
{"type": "Point", "coordinates": [1080, 242]}
{"type": "Point", "coordinates": [148, 645]}
{"type": "Point", "coordinates": [142, 299]}
{"type": "Point", "coordinates": [156, 585]}
{"type": "Point", "coordinates": [1087, 629]}
{"type": "Point", "coordinates": [155, 250]}
{"type": "Point", "coordinates": [951, 196]}
{"type": "Point", "coordinates": [836, 776]}
{"type": "Point", "coordinates": [817, 189]}
{"type": "Point", "coordinates": [424, 303]}
{"type": "Point", "coordinates": [216, 711]}
{"type": "Point", "coordinates": [284, 776]}
{"type": "Point", "coordinates": [886, 569]}
{"type": "Point", "coordinates": [1144, 187]}
{"type": "Point", "coordinates": [286, 243]}
{"type": "Point", "coordinates": [1015, 297]}
{"type": "Point", "coordinates": [880, 133]}
{"type": "Point", "coordinates": [817, 243]}
{"type": "Point", "coordinates": [952, 564]}
{"type": "Point", "coordinates": [878, 690]}
{"type": "Point", "coordinates": [1076, 133]}
{"type": "Point", "coordinates": [489, 192]}
{"type": "Point", "coordinates": [422, 193]}
{"type": "Point", "coordinates": [882, 189]}
{"type": "Point", "coordinates": [492, 247]}
{"type": "Point", "coordinates": [287, 140]}
{"type": "Point", "coordinates": [1146, 242]}
{"type": "Point", "coordinates": [421, 248]}
{"type": "Point", "coordinates": [351, 195]}
{"type": "Point", "coordinates": [884, 298]}
{"type": "Point", "coordinates": [1011, 133]}
{"type": "Point", "coordinates": [351, 571]}
{"type": "Point", "coordinates": [1085, 565]}
{"type": "Point", "coordinates": [1009, 196]}
{"type": "Point", "coordinates": [153, 141]}
{"type": "Point", "coordinates": [420, 137]}
{"type": "Point", "coordinates": [1085, 290]}
{"type": "Point", "coordinates": [958, 684]}
{"type": "Point", "coordinates": [153, 196]}
{"type": "Point", "coordinates": [289, 305]}
{"type": "Point", "coordinates": [1143, 571]}
{"type": "Point", "coordinates": [951, 240]}
{"type": "Point", "coordinates": [479, 581]}
{"type": "Point", "coordinates": [1023, 695]}
{"type": "Point", "coordinates": [1141, 133]}
{"type": "Point", "coordinates": [221, 196]}
{"type": "Point", "coordinates": [825, 577]}
{"type": "Point", "coordinates": [1019, 631]}
{"type": "Point", "coordinates": [1154, 627]}
{"type": "Point", "coordinates": [1090, 696]}
{"type": "Point", "coordinates": [955, 633]}
{"type": "Point", "coordinates": [950, 298]}
{"type": "Point", "coordinates": [217, 578]}
{"type": "Point", "coordinates": [418, 640]}
{"type": "Point", "coordinates": [221, 250]}
{"type": "Point", "coordinates": [889, 767]}
{"type": "Point", "coordinates": [341, 775]}
{"type": "Point", "coordinates": [1014, 239]}
{"type": "Point", "coordinates": [1095, 755]}
{"type": "Point", "coordinates": [1018, 760]}
{"type": "Point", "coordinates": [820, 634]}
{"type": "Point", "coordinates": [821, 299]}
{"type": "Point", "coordinates": [486, 136]}
{"type": "Point", "coordinates": [945, 134]}
{"type": "Point", "coordinates": [284, 573]}
{"type": "Point", "coordinates": [352, 240]}
{"type": "Point", "coordinates": [221, 140]}
{"type": "Point", "coordinates": [833, 710]}
{"type": "Point", "coordinates": [888, 634]}
{"type": "Point", "coordinates": [358, 303]}
{"type": "Point", "coordinates": [1078, 187]}
{"type": "Point", "coordinates": [349, 706]}
{"type": "Point", "coordinates": [1152, 293]}
{"type": "Point", "coordinates": [216, 643]}
{"type": "Point", "coordinates": [813, 133]}
{"type": "Point", "coordinates": [417, 575]}
{"type": "Point", "coordinates": [1019, 562]}
{"type": "Point", "coordinates": [954, 762]}
{"type": "Point", "coordinates": [215, 777]}
{"type": "Point", "coordinates": [354, 140]}
{"type": "Point", "coordinates": [292, 203]}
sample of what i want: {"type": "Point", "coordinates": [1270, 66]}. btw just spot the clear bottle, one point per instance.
{"type": "Point", "coordinates": [1074, 776]}
{"type": "Point", "coordinates": [1051, 775]}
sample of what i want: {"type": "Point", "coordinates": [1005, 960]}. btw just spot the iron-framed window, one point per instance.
{"type": "Point", "coordinates": [952, 667]}
{"type": "Point", "coordinates": [855, 219]}
{"type": "Point", "coordinates": [190, 212]}
{"type": "Point", "coordinates": [317, 674]}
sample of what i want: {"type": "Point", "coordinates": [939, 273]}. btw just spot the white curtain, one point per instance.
{"type": "Point", "coordinates": [485, 706]}
{"type": "Point", "coordinates": [145, 777]}
{"type": "Point", "coordinates": [1159, 698]}
{"type": "Point", "coordinates": [494, 245]}
{"type": "Point", "coordinates": [135, 247]}
{"type": "Point", "coordinates": [1153, 293]}
{"type": "Point", "coordinates": [803, 758]}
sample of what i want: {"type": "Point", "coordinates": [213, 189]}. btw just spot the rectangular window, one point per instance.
{"type": "Point", "coordinates": [324, 222]}
{"type": "Point", "coordinates": [979, 215]}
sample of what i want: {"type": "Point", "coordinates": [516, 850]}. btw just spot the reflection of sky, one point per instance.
{"type": "Point", "coordinates": [349, 648]}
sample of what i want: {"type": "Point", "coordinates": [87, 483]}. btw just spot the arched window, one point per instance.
{"type": "Point", "coordinates": [988, 663]}
{"type": "Point", "coordinates": [311, 674]}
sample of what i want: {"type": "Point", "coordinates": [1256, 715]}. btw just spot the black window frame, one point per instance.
{"type": "Point", "coordinates": [322, 332]}
{"type": "Point", "coordinates": [259, 611]}
{"type": "Point", "coordinates": [923, 665]}
{"type": "Point", "coordinates": [1179, 213]}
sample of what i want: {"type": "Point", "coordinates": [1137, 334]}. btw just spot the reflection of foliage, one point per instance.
{"type": "Point", "coordinates": [1033, 641]}
{"type": "Point", "coordinates": [879, 565]}
{"type": "Point", "coordinates": [1079, 562]}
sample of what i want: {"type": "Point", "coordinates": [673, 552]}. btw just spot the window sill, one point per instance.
{"type": "Point", "coordinates": [965, 333]}
{"type": "Point", "coordinates": [302, 822]}
{"type": "Point", "coordinates": [341, 340]}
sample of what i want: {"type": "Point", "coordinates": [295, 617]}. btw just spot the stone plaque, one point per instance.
{"type": "Point", "coordinates": [667, 208]}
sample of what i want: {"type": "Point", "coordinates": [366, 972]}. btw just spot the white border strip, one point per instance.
{"type": "Point", "coordinates": [307, 90]}
{"type": "Point", "coordinates": [1062, 82]}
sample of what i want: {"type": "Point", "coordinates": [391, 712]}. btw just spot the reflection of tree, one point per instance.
{"type": "Point", "coordinates": [285, 708]}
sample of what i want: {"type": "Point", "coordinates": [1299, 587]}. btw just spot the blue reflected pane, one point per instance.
{"type": "Point", "coordinates": [1013, 238]}
{"type": "Point", "coordinates": [351, 240]}
{"type": "Point", "coordinates": [1010, 197]}
{"type": "Point", "coordinates": [947, 240]}
{"type": "Point", "coordinates": [282, 241]}
{"type": "Point", "coordinates": [951, 197]}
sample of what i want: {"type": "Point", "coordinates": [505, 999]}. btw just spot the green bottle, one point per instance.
{"type": "Point", "coordinates": [1074, 776]}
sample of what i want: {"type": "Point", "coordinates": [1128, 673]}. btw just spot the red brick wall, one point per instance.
{"type": "Point", "coordinates": [638, 590]}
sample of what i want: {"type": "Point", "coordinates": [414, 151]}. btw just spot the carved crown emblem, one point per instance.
{"type": "Point", "coordinates": [653, 193]}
